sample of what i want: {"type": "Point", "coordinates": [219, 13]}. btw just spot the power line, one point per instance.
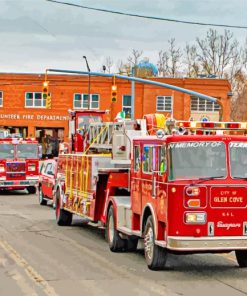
{"type": "Point", "coordinates": [148, 17]}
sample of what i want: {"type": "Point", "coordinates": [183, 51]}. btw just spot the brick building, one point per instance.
{"type": "Point", "coordinates": [22, 108]}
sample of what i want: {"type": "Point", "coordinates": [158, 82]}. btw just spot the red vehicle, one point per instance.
{"type": "Point", "coordinates": [19, 163]}
{"type": "Point", "coordinates": [184, 192]}
{"type": "Point", "coordinates": [47, 181]}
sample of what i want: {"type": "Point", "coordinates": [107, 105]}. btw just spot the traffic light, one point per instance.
{"type": "Point", "coordinates": [114, 93]}
{"type": "Point", "coordinates": [45, 90]}
{"type": "Point", "coordinates": [48, 101]}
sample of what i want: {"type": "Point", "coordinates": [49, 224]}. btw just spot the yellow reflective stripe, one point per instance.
{"type": "Point", "coordinates": [77, 165]}
{"type": "Point", "coordinates": [81, 175]}
{"type": "Point", "coordinates": [66, 175]}
{"type": "Point", "coordinates": [71, 178]}
{"type": "Point", "coordinates": [87, 174]}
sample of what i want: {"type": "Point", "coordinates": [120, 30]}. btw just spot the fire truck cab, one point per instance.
{"type": "Point", "coordinates": [181, 190]}
{"type": "Point", "coordinates": [19, 163]}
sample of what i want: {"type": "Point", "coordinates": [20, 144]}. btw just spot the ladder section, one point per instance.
{"type": "Point", "coordinates": [100, 135]}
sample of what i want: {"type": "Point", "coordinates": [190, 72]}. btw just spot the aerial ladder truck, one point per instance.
{"type": "Point", "coordinates": [175, 184]}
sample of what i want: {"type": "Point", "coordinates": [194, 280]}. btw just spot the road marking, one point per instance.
{"type": "Point", "coordinates": [30, 271]}
{"type": "Point", "coordinates": [121, 270]}
{"type": "Point", "coordinates": [23, 285]}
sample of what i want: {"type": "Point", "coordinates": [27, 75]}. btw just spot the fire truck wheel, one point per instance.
{"type": "Point", "coordinates": [31, 190]}
{"type": "Point", "coordinates": [64, 218]}
{"type": "Point", "coordinates": [155, 255]}
{"type": "Point", "coordinates": [241, 256]}
{"type": "Point", "coordinates": [116, 243]}
{"type": "Point", "coordinates": [42, 201]}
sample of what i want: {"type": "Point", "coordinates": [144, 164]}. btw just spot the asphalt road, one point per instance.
{"type": "Point", "coordinates": [37, 257]}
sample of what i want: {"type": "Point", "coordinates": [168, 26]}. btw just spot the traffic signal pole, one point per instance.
{"type": "Point", "coordinates": [146, 81]}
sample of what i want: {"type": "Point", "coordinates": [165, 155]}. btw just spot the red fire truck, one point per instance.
{"type": "Point", "coordinates": [181, 189]}
{"type": "Point", "coordinates": [19, 163]}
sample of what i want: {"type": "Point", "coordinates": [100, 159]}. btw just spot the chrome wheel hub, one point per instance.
{"type": "Point", "coordinates": [111, 229]}
{"type": "Point", "coordinates": [149, 243]}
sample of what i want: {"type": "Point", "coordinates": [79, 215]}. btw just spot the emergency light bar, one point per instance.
{"type": "Point", "coordinates": [211, 125]}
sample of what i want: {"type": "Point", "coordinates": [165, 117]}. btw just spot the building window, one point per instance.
{"type": "Point", "coordinates": [34, 100]}
{"type": "Point", "coordinates": [164, 104]}
{"type": "Point", "coordinates": [198, 104]}
{"type": "Point", "coordinates": [81, 101]}
{"type": "Point", "coordinates": [1, 99]}
{"type": "Point", "coordinates": [127, 105]}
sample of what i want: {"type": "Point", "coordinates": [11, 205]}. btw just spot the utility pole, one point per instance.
{"type": "Point", "coordinates": [89, 82]}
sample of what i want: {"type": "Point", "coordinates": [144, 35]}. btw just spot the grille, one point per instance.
{"type": "Point", "coordinates": [15, 167]}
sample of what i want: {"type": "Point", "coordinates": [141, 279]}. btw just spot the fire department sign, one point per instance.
{"type": "Point", "coordinates": [34, 117]}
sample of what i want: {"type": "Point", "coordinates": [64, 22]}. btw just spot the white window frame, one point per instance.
{"type": "Point", "coordinates": [164, 103]}
{"type": "Point", "coordinates": [81, 101]}
{"type": "Point", "coordinates": [1, 98]}
{"type": "Point", "coordinates": [43, 101]}
{"type": "Point", "coordinates": [127, 106]}
{"type": "Point", "coordinates": [205, 104]}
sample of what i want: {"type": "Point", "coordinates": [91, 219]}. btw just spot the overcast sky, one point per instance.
{"type": "Point", "coordinates": [37, 34]}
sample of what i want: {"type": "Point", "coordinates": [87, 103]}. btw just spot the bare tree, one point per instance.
{"type": "Point", "coordinates": [124, 68]}
{"type": "Point", "coordinates": [221, 55]}
{"type": "Point", "coordinates": [169, 61]}
{"type": "Point", "coordinates": [134, 59]}
{"type": "Point", "coordinates": [216, 52]}
{"type": "Point", "coordinates": [108, 64]}
{"type": "Point", "coordinates": [163, 64]}
{"type": "Point", "coordinates": [175, 57]}
{"type": "Point", "coordinates": [192, 66]}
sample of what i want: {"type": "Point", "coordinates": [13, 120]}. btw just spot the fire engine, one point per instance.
{"type": "Point", "coordinates": [178, 185]}
{"type": "Point", "coordinates": [19, 162]}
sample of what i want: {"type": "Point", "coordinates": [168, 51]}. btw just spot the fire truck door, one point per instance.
{"type": "Point", "coordinates": [149, 175]}
{"type": "Point", "coordinates": [48, 180]}
{"type": "Point", "coordinates": [136, 181]}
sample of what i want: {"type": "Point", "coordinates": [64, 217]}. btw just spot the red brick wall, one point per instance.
{"type": "Point", "coordinates": [63, 87]}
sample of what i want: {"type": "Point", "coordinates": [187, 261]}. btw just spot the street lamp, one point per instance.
{"type": "Point", "coordinates": [89, 82]}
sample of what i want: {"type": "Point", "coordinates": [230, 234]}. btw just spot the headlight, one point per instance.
{"type": "Point", "coordinates": [192, 191]}
{"type": "Point", "coordinates": [31, 167]}
{"type": "Point", "coordinates": [2, 169]}
{"type": "Point", "coordinates": [195, 218]}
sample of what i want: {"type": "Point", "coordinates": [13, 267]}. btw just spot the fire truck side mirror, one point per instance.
{"type": "Point", "coordinates": [160, 134]}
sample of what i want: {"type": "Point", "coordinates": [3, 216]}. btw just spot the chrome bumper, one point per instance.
{"type": "Point", "coordinates": [22, 183]}
{"type": "Point", "coordinates": [179, 243]}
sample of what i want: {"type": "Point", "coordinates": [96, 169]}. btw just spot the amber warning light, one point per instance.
{"type": "Point", "coordinates": [114, 93]}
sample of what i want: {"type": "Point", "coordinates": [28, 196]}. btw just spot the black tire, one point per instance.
{"type": "Point", "coordinates": [42, 201]}
{"type": "Point", "coordinates": [155, 256]}
{"type": "Point", "coordinates": [131, 244]}
{"type": "Point", "coordinates": [31, 190]}
{"type": "Point", "coordinates": [116, 243]}
{"type": "Point", "coordinates": [63, 217]}
{"type": "Point", "coordinates": [241, 256]}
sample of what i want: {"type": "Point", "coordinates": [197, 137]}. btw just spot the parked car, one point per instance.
{"type": "Point", "coordinates": [47, 180]}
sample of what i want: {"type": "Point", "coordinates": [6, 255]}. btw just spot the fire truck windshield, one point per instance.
{"type": "Point", "coordinates": [27, 151]}
{"type": "Point", "coordinates": [238, 159]}
{"type": "Point", "coordinates": [85, 120]}
{"type": "Point", "coordinates": [6, 151]}
{"type": "Point", "coordinates": [197, 159]}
